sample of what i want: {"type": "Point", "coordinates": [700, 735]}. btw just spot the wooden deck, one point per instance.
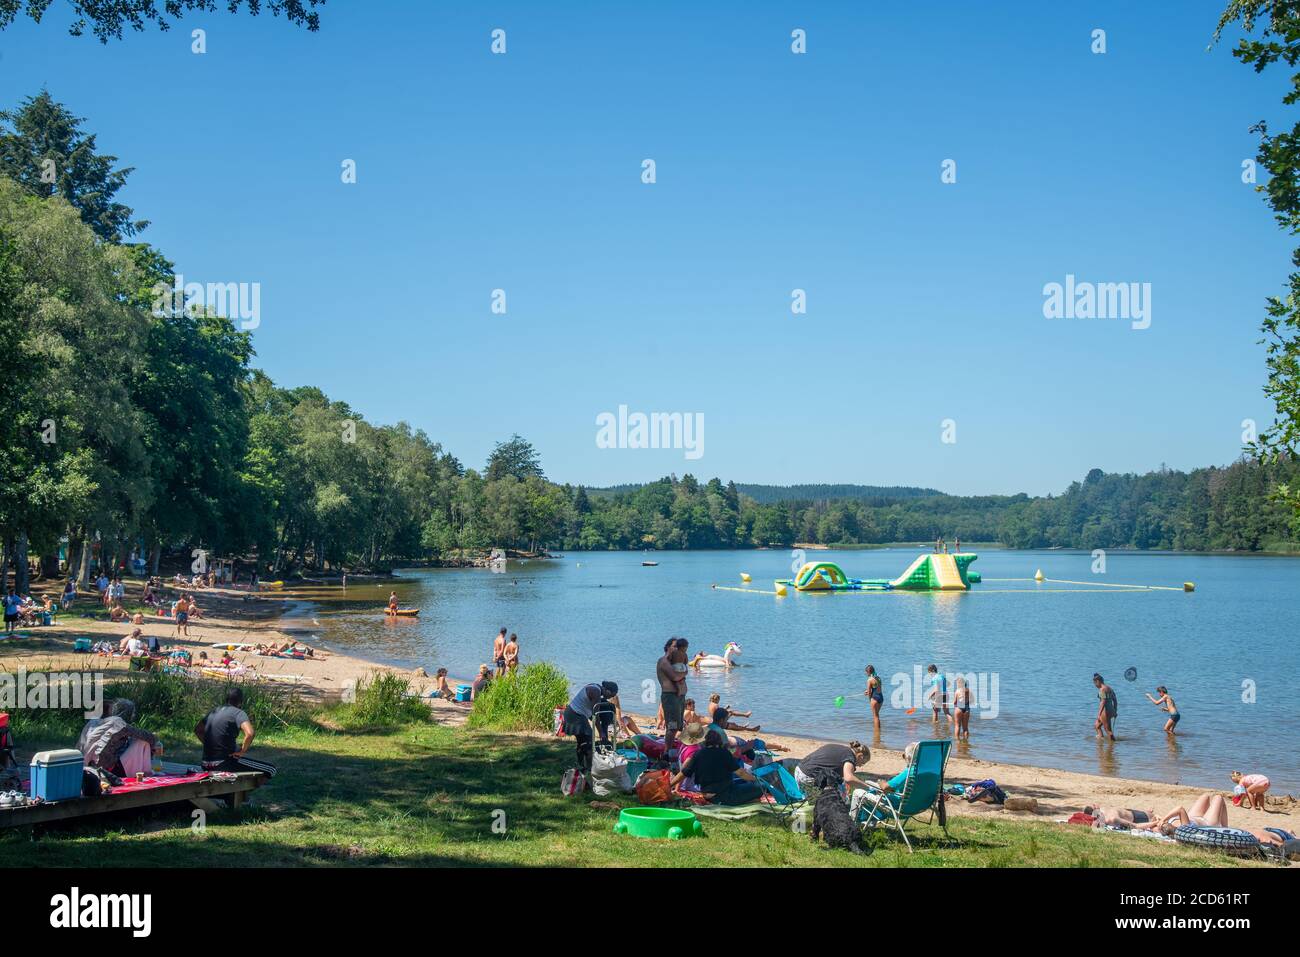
{"type": "Point", "coordinates": [199, 793]}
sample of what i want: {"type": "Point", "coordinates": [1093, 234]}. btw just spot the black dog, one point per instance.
{"type": "Point", "coordinates": [831, 820]}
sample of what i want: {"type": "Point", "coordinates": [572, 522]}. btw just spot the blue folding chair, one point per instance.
{"type": "Point", "coordinates": [787, 796]}
{"type": "Point", "coordinates": [922, 791]}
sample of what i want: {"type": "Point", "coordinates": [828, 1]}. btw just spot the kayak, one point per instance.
{"type": "Point", "coordinates": [402, 611]}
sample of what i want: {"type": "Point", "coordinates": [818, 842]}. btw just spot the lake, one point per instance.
{"type": "Point", "coordinates": [1032, 647]}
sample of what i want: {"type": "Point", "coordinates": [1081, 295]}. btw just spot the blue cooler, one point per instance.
{"type": "Point", "coordinates": [636, 763]}
{"type": "Point", "coordinates": [56, 775]}
{"type": "Point", "coordinates": [463, 692]}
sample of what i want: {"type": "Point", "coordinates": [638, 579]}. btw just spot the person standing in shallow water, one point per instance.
{"type": "Point", "coordinates": [876, 694]}
{"type": "Point", "coordinates": [1107, 708]}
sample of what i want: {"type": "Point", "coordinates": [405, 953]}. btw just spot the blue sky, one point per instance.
{"type": "Point", "coordinates": [775, 171]}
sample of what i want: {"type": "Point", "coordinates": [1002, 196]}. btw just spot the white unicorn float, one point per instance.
{"type": "Point", "coordinates": [701, 660]}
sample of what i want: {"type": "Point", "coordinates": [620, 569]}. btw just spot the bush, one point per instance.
{"type": "Point", "coordinates": [170, 705]}
{"type": "Point", "coordinates": [384, 699]}
{"type": "Point", "coordinates": [524, 701]}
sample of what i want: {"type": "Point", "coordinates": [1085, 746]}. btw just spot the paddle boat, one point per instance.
{"type": "Point", "coordinates": [401, 612]}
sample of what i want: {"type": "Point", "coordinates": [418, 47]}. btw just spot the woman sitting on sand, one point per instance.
{"type": "Point", "coordinates": [1256, 786]}
{"type": "Point", "coordinates": [442, 689]}
{"type": "Point", "coordinates": [482, 681]}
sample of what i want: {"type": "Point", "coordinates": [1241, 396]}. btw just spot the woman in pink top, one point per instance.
{"type": "Point", "coordinates": [1256, 786]}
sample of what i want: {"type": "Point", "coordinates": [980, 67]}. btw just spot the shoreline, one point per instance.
{"type": "Point", "coordinates": [230, 616]}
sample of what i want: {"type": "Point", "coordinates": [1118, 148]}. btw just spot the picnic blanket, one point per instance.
{"type": "Point", "coordinates": [130, 785]}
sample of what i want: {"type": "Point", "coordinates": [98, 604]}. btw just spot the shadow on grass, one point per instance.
{"type": "Point", "coordinates": [396, 808]}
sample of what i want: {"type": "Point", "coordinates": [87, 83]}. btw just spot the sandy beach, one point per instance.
{"type": "Point", "coordinates": [235, 617]}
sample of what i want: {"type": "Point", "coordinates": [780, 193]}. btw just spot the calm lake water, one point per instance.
{"type": "Point", "coordinates": [604, 616]}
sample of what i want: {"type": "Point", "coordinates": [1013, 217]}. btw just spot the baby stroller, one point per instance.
{"type": "Point", "coordinates": [608, 772]}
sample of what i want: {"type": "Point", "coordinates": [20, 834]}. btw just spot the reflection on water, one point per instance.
{"type": "Point", "coordinates": [604, 616]}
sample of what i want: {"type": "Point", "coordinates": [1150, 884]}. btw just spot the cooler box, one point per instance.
{"type": "Point", "coordinates": [81, 644]}
{"type": "Point", "coordinates": [636, 763]}
{"type": "Point", "coordinates": [463, 692]}
{"type": "Point", "coordinates": [56, 775]}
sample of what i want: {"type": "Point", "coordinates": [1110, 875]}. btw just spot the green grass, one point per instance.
{"type": "Point", "coordinates": [425, 794]}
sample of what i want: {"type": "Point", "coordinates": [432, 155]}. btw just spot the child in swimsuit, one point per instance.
{"type": "Point", "coordinates": [876, 695]}
{"type": "Point", "coordinates": [1167, 703]}
{"type": "Point", "coordinates": [1256, 786]}
{"type": "Point", "coordinates": [961, 710]}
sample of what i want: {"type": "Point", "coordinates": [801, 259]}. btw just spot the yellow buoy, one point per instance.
{"type": "Point", "coordinates": [780, 590]}
{"type": "Point", "coordinates": [744, 576]}
{"type": "Point", "coordinates": [1038, 576]}
{"type": "Point", "coordinates": [1189, 586]}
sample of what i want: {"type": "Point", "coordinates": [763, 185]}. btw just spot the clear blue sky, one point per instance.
{"type": "Point", "coordinates": [775, 172]}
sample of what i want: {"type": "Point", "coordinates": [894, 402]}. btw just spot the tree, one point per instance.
{"type": "Point", "coordinates": [1279, 155]}
{"type": "Point", "coordinates": [43, 148]}
{"type": "Point", "coordinates": [106, 18]}
{"type": "Point", "coordinates": [515, 457]}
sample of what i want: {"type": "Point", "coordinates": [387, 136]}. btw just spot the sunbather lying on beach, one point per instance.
{"type": "Point", "coordinates": [1119, 816]}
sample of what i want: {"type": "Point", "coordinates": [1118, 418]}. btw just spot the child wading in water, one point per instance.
{"type": "Point", "coordinates": [1166, 702]}
{"type": "Point", "coordinates": [876, 695]}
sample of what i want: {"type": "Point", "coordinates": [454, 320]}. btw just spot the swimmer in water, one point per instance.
{"type": "Point", "coordinates": [1166, 702]}
{"type": "Point", "coordinates": [876, 695]}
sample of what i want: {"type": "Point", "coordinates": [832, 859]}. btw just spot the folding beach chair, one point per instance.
{"type": "Point", "coordinates": [922, 792]}
{"type": "Point", "coordinates": [787, 796]}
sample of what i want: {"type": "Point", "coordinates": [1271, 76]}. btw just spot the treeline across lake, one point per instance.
{"type": "Point", "coordinates": [134, 428]}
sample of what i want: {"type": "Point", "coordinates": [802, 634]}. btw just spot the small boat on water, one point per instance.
{"type": "Point", "coordinates": [649, 564]}
{"type": "Point", "coordinates": [402, 612]}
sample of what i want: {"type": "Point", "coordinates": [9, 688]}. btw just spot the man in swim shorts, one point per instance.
{"type": "Point", "coordinates": [499, 652]}
{"type": "Point", "coordinates": [671, 672]}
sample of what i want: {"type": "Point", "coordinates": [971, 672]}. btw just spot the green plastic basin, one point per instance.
{"type": "Point", "coordinates": [658, 822]}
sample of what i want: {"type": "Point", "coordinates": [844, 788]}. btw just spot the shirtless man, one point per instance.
{"type": "Point", "coordinates": [671, 672]}
{"type": "Point", "coordinates": [499, 652]}
{"type": "Point", "coordinates": [512, 653]}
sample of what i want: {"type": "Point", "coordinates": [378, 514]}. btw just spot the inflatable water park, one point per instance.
{"type": "Point", "coordinates": [930, 572]}
{"type": "Point", "coordinates": [940, 571]}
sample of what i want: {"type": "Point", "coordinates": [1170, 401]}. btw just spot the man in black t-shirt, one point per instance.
{"type": "Point", "coordinates": [218, 732]}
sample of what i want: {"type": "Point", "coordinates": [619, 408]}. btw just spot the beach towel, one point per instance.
{"type": "Point", "coordinates": [722, 812]}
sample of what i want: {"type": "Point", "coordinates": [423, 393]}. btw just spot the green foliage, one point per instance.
{"type": "Point", "coordinates": [169, 705]}
{"type": "Point", "coordinates": [107, 18]}
{"type": "Point", "coordinates": [44, 150]}
{"type": "Point", "coordinates": [384, 699]}
{"type": "Point", "coordinates": [524, 701]}
{"type": "Point", "coordinates": [1279, 155]}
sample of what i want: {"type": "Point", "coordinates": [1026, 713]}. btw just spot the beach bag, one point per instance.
{"type": "Point", "coordinates": [557, 720]}
{"type": "Point", "coordinates": [985, 792]}
{"type": "Point", "coordinates": [609, 774]}
{"type": "Point", "coordinates": [652, 787]}
{"type": "Point", "coordinates": [572, 782]}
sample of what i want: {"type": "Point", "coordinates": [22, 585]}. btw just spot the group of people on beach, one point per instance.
{"type": "Point", "coordinates": [505, 661]}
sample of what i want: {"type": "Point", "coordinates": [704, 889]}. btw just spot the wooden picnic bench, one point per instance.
{"type": "Point", "coordinates": [201, 794]}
